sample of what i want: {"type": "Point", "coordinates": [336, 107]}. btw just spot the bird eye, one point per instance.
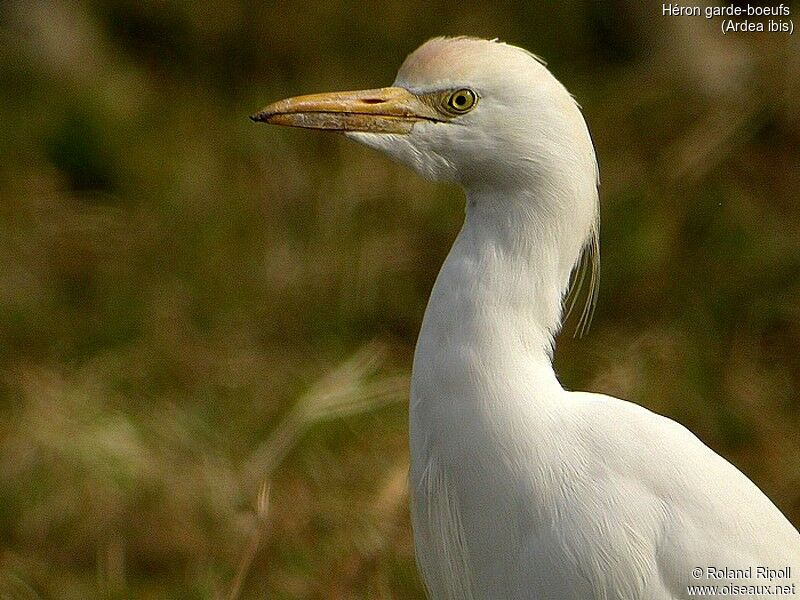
{"type": "Point", "coordinates": [462, 101]}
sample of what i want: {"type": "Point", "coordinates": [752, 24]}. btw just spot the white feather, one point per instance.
{"type": "Point", "coordinates": [521, 489]}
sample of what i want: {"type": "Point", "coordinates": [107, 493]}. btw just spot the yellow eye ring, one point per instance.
{"type": "Point", "coordinates": [462, 101]}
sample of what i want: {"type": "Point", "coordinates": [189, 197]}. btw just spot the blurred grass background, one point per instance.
{"type": "Point", "coordinates": [192, 306]}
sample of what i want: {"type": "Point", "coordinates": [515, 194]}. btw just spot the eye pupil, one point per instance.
{"type": "Point", "coordinates": [460, 100]}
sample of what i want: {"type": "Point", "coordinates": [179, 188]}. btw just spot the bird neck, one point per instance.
{"type": "Point", "coordinates": [497, 302]}
{"type": "Point", "coordinates": [522, 263]}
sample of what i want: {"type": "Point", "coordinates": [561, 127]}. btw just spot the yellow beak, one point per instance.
{"type": "Point", "coordinates": [384, 110]}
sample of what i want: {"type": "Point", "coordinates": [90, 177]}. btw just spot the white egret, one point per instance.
{"type": "Point", "coordinates": [519, 488]}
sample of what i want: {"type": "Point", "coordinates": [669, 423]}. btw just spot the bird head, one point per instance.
{"type": "Point", "coordinates": [477, 112]}
{"type": "Point", "coordinates": [490, 117]}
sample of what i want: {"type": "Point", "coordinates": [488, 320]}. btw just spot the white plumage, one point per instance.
{"type": "Point", "coordinates": [520, 489]}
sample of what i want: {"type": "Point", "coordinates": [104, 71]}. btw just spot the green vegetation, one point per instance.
{"type": "Point", "coordinates": [192, 305]}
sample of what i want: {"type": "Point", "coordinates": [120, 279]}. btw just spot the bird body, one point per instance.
{"type": "Point", "coordinates": [520, 489]}
{"type": "Point", "coordinates": [523, 490]}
